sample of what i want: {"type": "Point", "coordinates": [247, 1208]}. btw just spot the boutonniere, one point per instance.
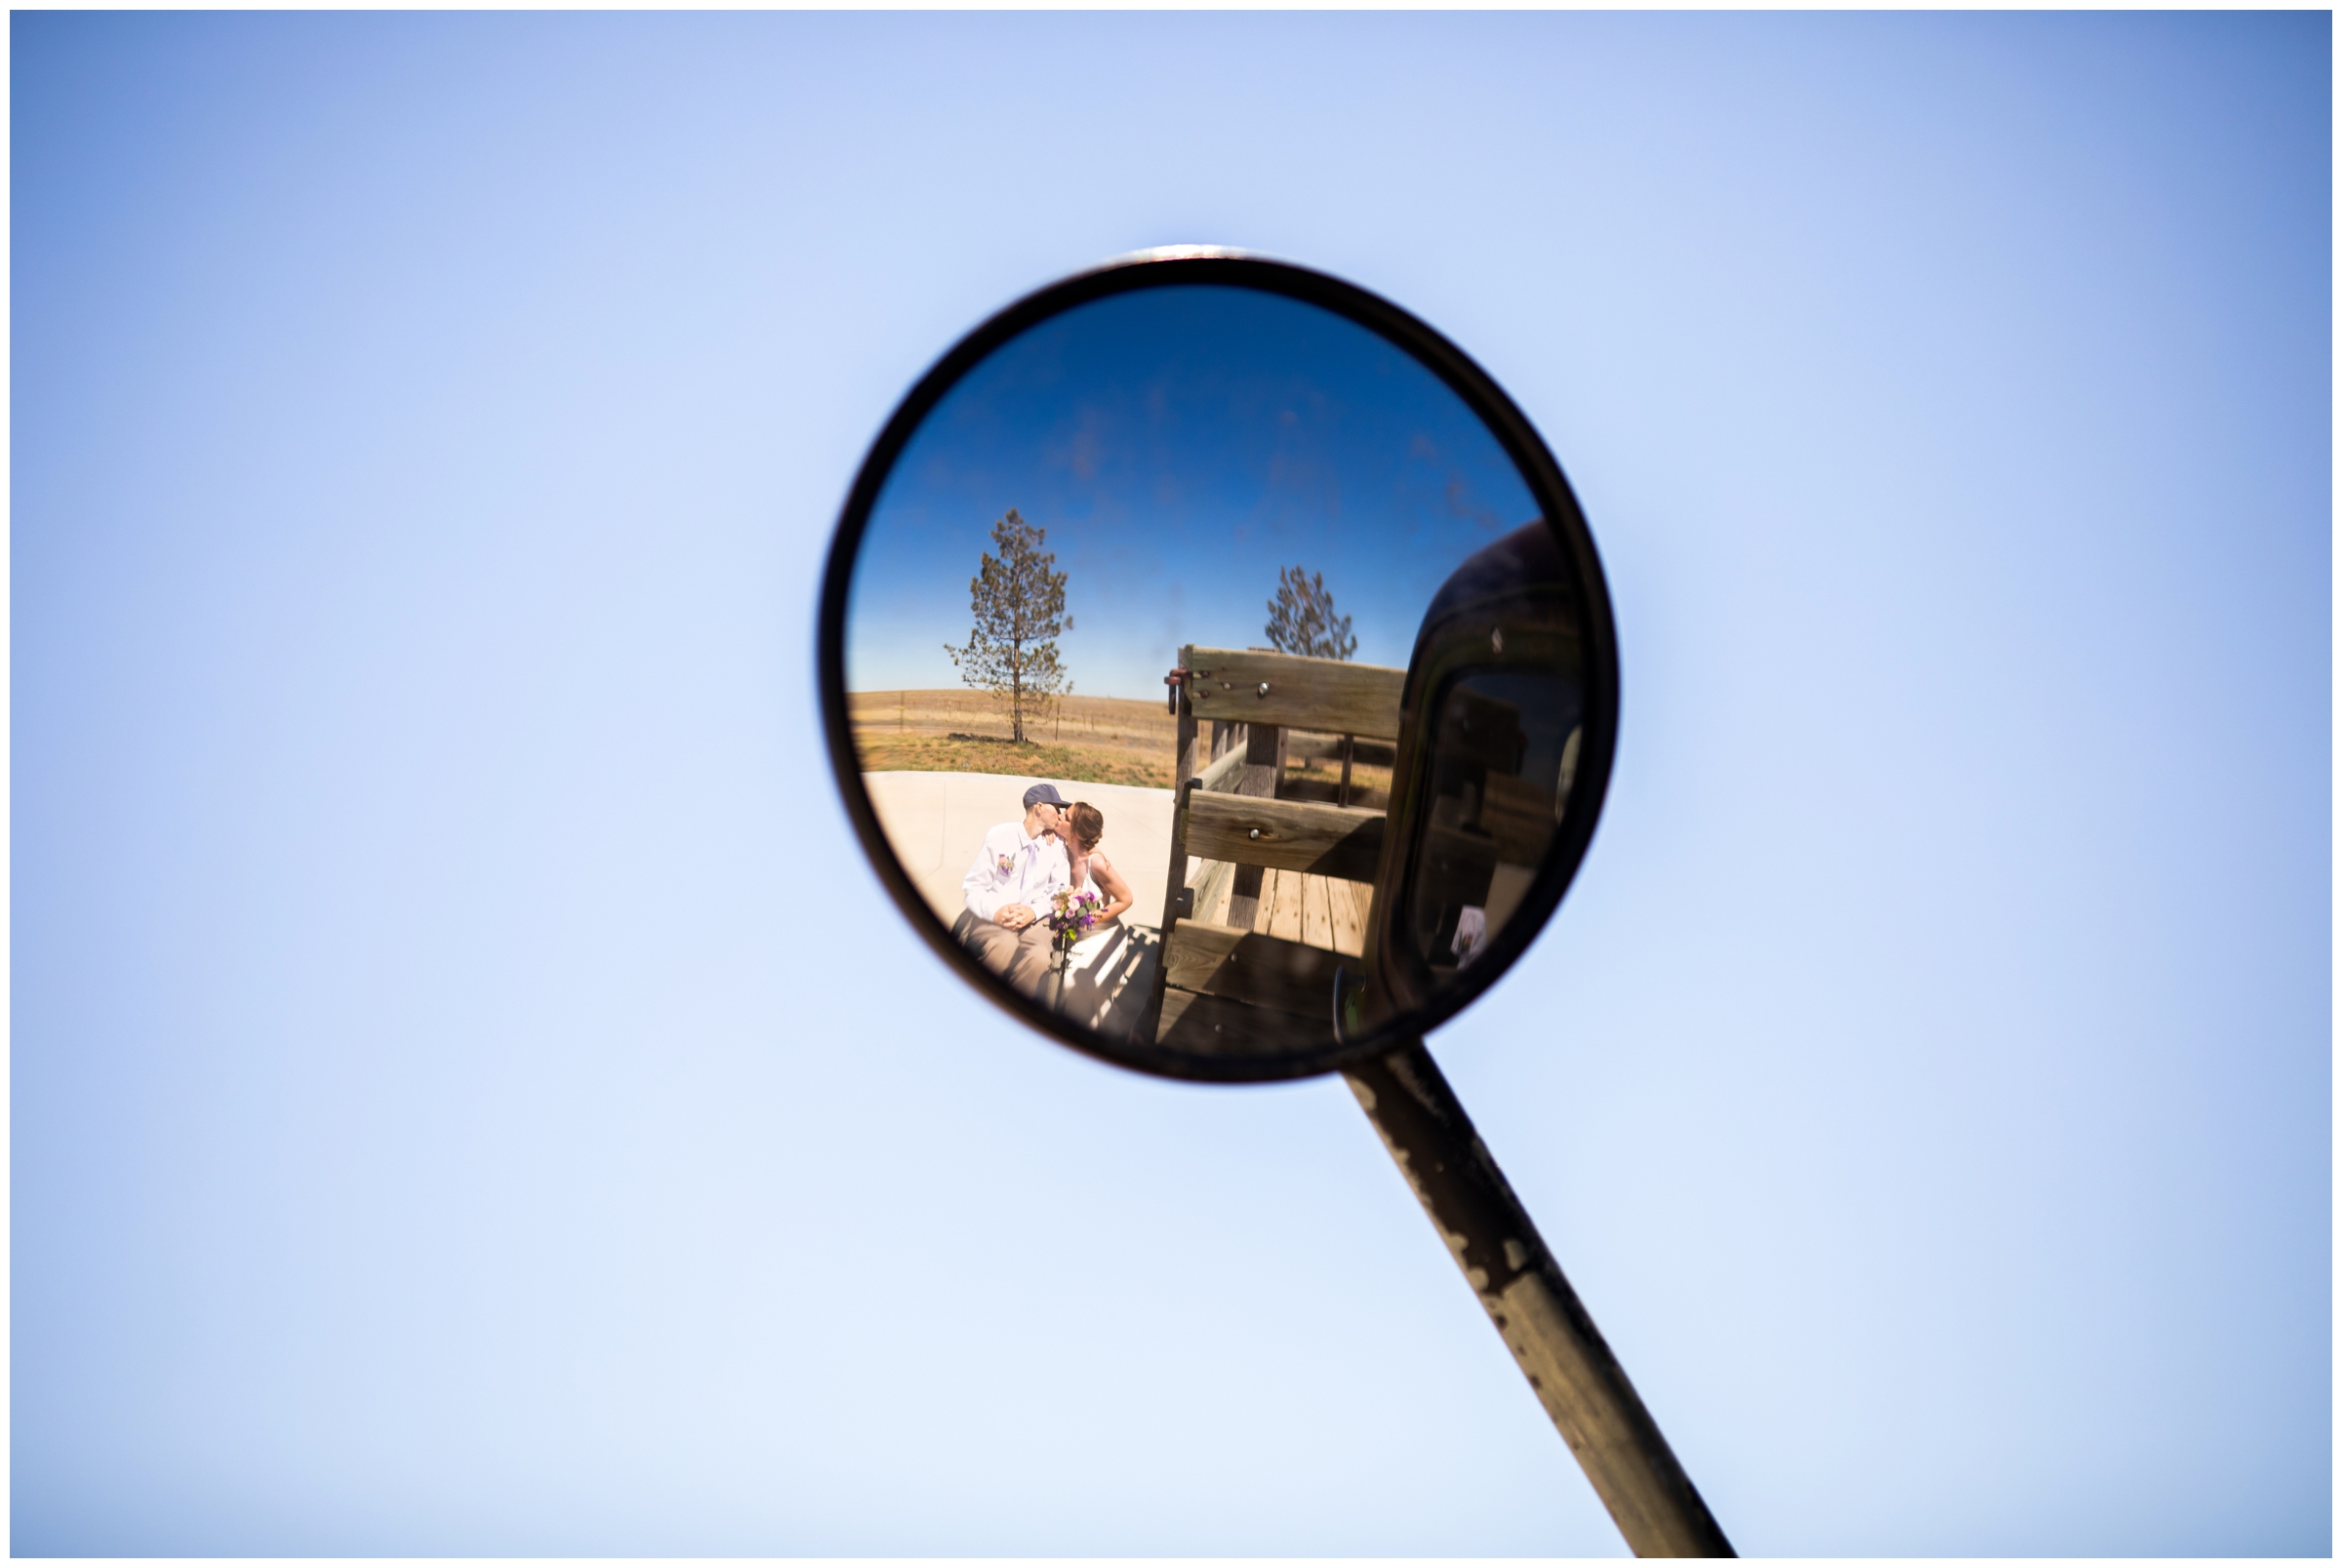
{"type": "Point", "coordinates": [1008, 864]}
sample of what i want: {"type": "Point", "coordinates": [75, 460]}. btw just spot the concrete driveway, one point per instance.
{"type": "Point", "coordinates": [937, 823]}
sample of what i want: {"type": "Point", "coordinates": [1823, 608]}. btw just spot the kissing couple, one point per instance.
{"type": "Point", "coordinates": [1023, 864]}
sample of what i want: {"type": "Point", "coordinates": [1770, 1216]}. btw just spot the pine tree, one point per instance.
{"type": "Point", "coordinates": [1302, 619]}
{"type": "Point", "coordinates": [1019, 609]}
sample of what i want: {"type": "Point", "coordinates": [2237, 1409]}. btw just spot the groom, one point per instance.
{"type": "Point", "coordinates": [1020, 865]}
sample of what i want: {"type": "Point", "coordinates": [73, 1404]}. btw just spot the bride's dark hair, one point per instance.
{"type": "Point", "coordinates": [1088, 824]}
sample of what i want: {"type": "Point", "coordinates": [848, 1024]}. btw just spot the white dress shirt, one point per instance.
{"type": "Point", "coordinates": [1011, 868]}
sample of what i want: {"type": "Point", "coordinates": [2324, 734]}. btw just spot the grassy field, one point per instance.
{"type": "Point", "coordinates": [1368, 772]}
{"type": "Point", "coordinates": [883, 753]}
{"type": "Point", "coordinates": [1092, 740]}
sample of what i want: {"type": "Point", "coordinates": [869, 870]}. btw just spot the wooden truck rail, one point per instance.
{"type": "Point", "coordinates": [1270, 886]}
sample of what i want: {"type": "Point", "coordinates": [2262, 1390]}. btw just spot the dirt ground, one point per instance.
{"type": "Point", "coordinates": [1094, 739]}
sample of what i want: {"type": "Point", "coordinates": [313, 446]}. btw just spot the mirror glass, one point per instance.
{"type": "Point", "coordinates": [1213, 674]}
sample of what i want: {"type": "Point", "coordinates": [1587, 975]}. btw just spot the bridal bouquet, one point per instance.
{"type": "Point", "coordinates": [1072, 915]}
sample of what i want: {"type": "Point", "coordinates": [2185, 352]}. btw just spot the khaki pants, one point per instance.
{"type": "Point", "coordinates": [1023, 956]}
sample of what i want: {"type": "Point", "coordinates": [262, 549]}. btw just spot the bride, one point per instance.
{"type": "Point", "coordinates": [1085, 827]}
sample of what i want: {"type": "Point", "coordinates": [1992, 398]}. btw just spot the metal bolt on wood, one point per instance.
{"type": "Point", "coordinates": [1576, 1378]}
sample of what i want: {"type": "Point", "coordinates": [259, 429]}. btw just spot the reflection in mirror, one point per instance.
{"type": "Point", "coordinates": [1494, 716]}
{"type": "Point", "coordinates": [1211, 673]}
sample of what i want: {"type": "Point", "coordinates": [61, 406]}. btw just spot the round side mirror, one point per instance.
{"type": "Point", "coordinates": [1218, 668]}
{"type": "Point", "coordinates": [1219, 676]}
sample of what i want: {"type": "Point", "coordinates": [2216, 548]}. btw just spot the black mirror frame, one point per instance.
{"type": "Point", "coordinates": [1230, 269]}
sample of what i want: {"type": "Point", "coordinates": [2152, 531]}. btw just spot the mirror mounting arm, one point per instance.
{"type": "Point", "coordinates": [1577, 1379]}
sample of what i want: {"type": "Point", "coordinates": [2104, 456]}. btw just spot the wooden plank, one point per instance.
{"type": "Point", "coordinates": [1284, 906]}
{"type": "Point", "coordinates": [1259, 920]}
{"type": "Point", "coordinates": [1245, 896]}
{"type": "Point", "coordinates": [1309, 745]}
{"type": "Point", "coordinates": [1175, 875]}
{"type": "Point", "coordinates": [1197, 952]}
{"type": "Point", "coordinates": [1264, 765]}
{"type": "Point", "coordinates": [1212, 881]}
{"type": "Point", "coordinates": [1244, 966]}
{"type": "Point", "coordinates": [1324, 695]}
{"type": "Point", "coordinates": [1264, 761]}
{"type": "Point", "coordinates": [1174, 1002]}
{"type": "Point", "coordinates": [1214, 1026]}
{"type": "Point", "coordinates": [1187, 749]}
{"type": "Point", "coordinates": [1327, 791]}
{"type": "Point", "coordinates": [1348, 903]}
{"type": "Point", "coordinates": [1317, 915]}
{"type": "Point", "coordinates": [1291, 835]}
{"type": "Point", "coordinates": [1225, 773]}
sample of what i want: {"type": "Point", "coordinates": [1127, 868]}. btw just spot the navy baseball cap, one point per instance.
{"type": "Point", "coordinates": [1043, 792]}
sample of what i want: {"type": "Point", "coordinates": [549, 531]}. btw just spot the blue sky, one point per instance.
{"type": "Point", "coordinates": [1180, 447]}
{"type": "Point", "coordinates": [469, 1093]}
